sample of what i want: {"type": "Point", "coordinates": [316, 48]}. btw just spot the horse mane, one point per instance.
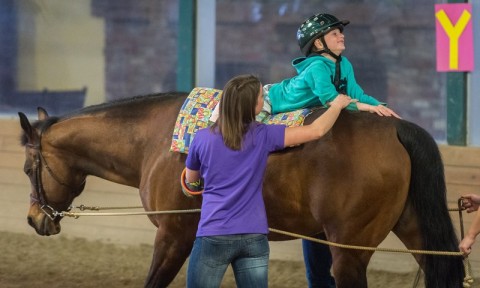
{"type": "Point", "coordinates": [144, 100]}
{"type": "Point", "coordinates": [129, 101]}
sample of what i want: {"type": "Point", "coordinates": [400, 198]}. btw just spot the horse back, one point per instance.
{"type": "Point", "coordinates": [347, 173]}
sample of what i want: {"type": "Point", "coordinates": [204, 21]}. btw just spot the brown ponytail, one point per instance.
{"type": "Point", "coordinates": [237, 109]}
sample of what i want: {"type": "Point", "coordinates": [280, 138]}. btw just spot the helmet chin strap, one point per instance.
{"type": "Point", "coordinates": [338, 58]}
{"type": "Point", "coordinates": [328, 51]}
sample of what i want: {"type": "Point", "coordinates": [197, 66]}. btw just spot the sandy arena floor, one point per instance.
{"type": "Point", "coordinates": [34, 261]}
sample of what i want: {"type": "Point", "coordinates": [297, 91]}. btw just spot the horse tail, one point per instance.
{"type": "Point", "coordinates": [427, 196]}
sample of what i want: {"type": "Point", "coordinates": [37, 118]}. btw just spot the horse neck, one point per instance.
{"type": "Point", "coordinates": [98, 147]}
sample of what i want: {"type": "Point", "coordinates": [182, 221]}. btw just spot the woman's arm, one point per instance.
{"type": "Point", "coordinates": [319, 127]}
{"type": "Point", "coordinates": [467, 242]}
{"type": "Point", "coordinates": [192, 176]}
{"type": "Point", "coordinates": [471, 203]}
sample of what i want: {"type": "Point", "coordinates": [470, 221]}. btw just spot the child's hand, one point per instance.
{"type": "Point", "coordinates": [385, 111]}
{"type": "Point", "coordinates": [379, 110]}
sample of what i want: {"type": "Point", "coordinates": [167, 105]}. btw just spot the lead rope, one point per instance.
{"type": "Point", "coordinates": [466, 263]}
{"type": "Point", "coordinates": [466, 283]}
{"type": "Point", "coordinates": [77, 215]}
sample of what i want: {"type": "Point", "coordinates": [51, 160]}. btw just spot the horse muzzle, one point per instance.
{"type": "Point", "coordinates": [43, 223]}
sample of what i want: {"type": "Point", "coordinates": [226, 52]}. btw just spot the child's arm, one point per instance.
{"type": "Point", "coordinates": [365, 102]}
{"type": "Point", "coordinates": [379, 109]}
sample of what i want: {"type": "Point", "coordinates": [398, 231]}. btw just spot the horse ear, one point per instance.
{"type": "Point", "coordinates": [42, 113]}
{"type": "Point", "coordinates": [26, 126]}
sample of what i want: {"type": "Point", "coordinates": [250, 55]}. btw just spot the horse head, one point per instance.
{"type": "Point", "coordinates": [54, 184]}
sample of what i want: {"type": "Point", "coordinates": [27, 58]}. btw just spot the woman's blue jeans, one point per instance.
{"type": "Point", "coordinates": [247, 253]}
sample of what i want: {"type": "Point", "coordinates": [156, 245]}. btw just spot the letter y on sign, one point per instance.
{"type": "Point", "coordinates": [454, 37]}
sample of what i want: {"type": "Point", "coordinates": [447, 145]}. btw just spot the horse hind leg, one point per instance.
{"type": "Point", "coordinates": [350, 264]}
{"type": "Point", "coordinates": [408, 231]}
{"type": "Point", "coordinates": [350, 267]}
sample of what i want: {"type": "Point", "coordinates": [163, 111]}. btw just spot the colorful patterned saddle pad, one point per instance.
{"type": "Point", "coordinates": [198, 107]}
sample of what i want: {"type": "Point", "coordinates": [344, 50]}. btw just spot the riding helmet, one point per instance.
{"type": "Point", "coordinates": [317, 26]}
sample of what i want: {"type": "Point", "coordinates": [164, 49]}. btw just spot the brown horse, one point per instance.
{"type": "Point", "coordinates": [370, 175]}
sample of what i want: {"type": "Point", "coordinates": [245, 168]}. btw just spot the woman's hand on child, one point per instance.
{"type": "Point", "coordinates": [342, 101]}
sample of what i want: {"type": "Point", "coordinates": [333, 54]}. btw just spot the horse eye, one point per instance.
{"type": "Point", "coordinates": [27, 170]}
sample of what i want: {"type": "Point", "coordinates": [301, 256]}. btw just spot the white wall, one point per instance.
{"type": "Point", "coordinates": [61, 47]}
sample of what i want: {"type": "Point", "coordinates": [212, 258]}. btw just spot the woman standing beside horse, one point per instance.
{"type": "Point", "coordinates": [338, 184]}
{"type": "Point", "coordinates": [231, 157]}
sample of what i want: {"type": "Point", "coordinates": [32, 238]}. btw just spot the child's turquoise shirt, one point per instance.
{"type": "Point", "coordinates": [313, 86]}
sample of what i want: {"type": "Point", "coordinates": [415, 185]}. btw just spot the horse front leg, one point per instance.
{"type": "Point", "coordinates": [171, 248]}
{"type": "Point", "coordinates": [350, 267]}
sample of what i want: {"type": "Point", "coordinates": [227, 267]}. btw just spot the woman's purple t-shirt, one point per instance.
{"type": "Point", "coordinates": [232, 200]}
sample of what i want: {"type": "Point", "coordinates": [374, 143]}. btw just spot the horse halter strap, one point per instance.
{"type": "Point", "coordinates": [40, 198]}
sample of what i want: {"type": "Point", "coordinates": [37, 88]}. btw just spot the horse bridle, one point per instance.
{"type": "Point", "coordinates": [40, 198]}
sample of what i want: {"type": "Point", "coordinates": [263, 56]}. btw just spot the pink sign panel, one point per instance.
{"type": "Point", "coordinates": [454, 37]}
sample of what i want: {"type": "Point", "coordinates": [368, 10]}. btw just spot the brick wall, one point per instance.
{"type": "Point", "coordinates": [390, 43]}
{"type": "Point", "coordinates": [140, 48]}
{"type": "Point", "coordinates": [8, 49]}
